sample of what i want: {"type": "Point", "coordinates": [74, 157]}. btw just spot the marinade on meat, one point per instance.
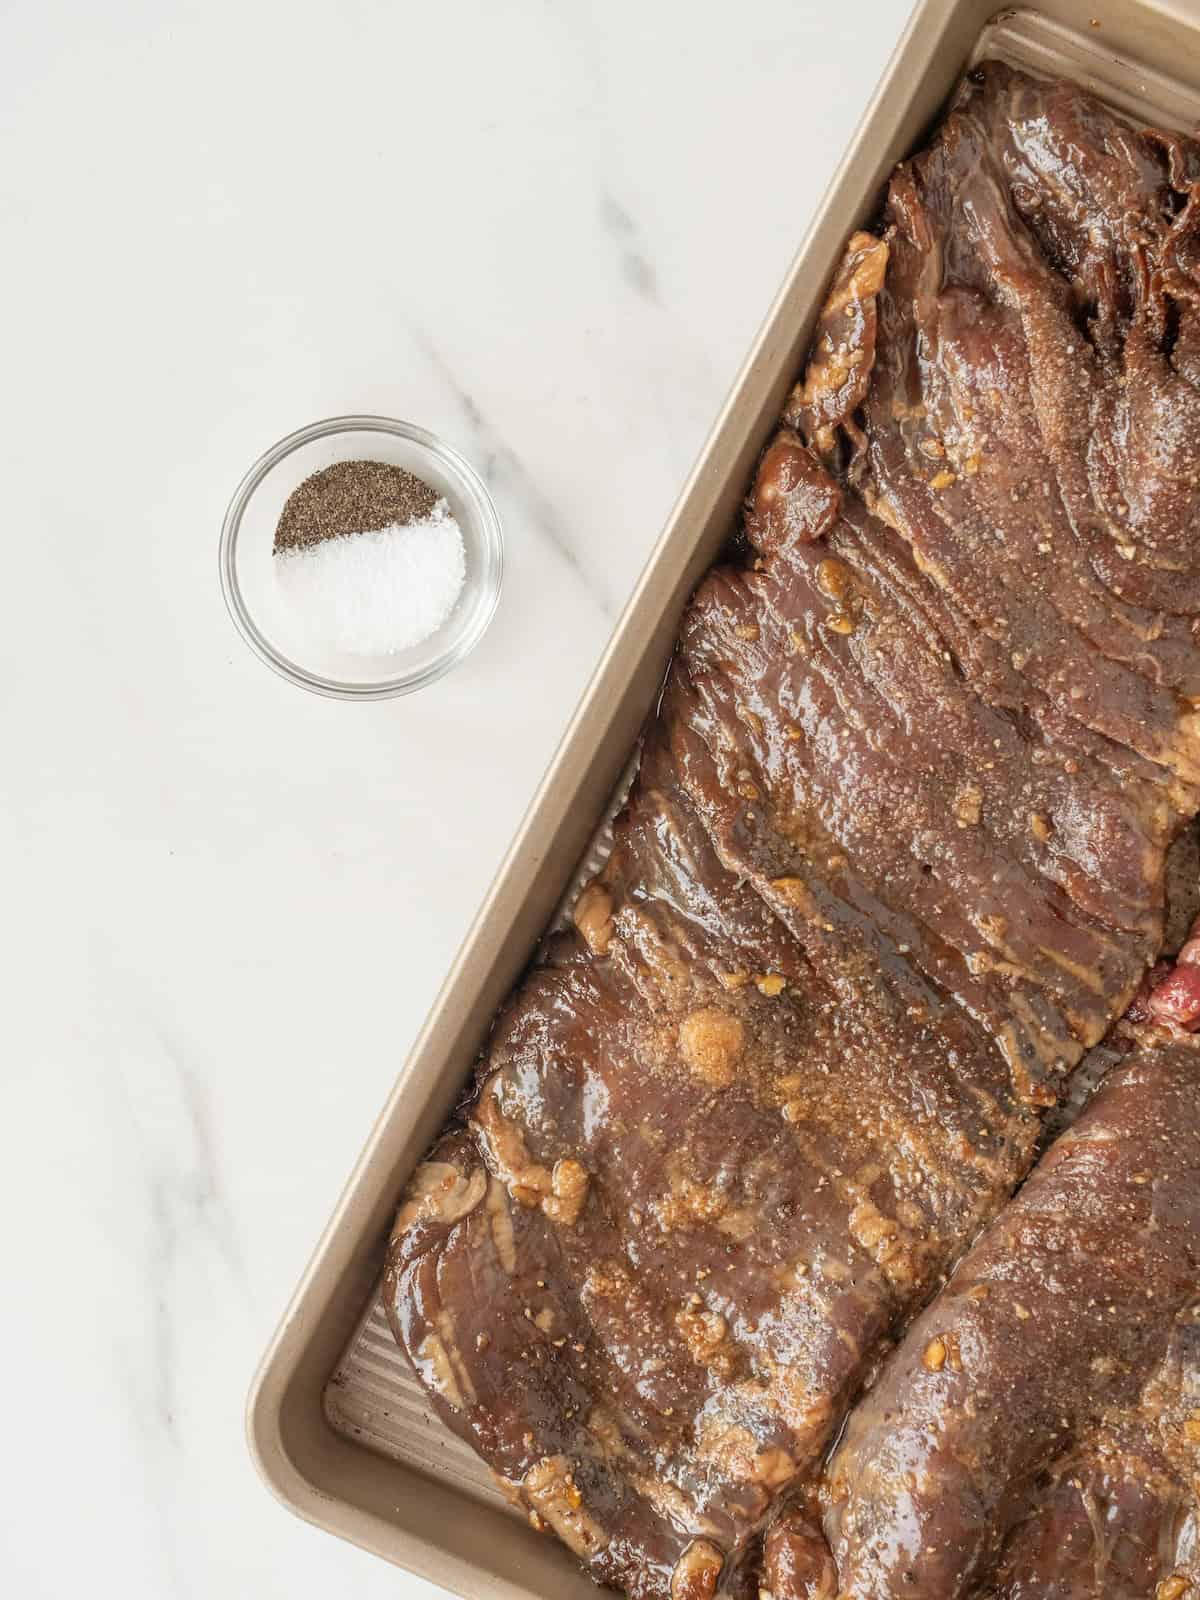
{"type": "Point", "coordinates": [692, 1195]}
{"type": "Point", "coordinates": [893, 863]}
{"type": "Point", "coordinates": [1038, 1431]}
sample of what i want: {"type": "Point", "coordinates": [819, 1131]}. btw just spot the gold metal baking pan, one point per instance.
{"type": "Point", "coordinates": [337, 1424]}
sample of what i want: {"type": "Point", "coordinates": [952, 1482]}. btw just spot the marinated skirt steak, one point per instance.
{"type": "Point", "coordinates": [1038, 1432]}
{"type": "Point", "coordinates": [893, 863]}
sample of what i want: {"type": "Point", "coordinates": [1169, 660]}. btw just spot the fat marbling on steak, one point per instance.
{"type": "Point", "coordinates": [893, 863]}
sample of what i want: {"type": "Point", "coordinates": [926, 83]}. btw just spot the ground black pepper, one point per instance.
{"type": "Point", "coordinates": [351, 497]}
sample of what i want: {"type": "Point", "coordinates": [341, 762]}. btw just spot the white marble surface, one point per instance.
{"type": "Point", "coordinates": [546, 230]}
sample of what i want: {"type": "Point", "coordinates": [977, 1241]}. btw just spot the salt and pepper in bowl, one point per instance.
{"type": "Point", "coordinates": [361, 557]}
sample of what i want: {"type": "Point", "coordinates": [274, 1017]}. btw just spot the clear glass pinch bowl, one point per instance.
{"type": "Point", "coordinates": [259, 606]}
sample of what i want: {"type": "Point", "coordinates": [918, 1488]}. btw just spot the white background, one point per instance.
{"type": "Point", "coordinates": [546, 229]}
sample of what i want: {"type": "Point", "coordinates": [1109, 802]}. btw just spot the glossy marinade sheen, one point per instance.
{"type": "Point", "coordinates": [892, 865]}
{"type": "Point", "coordinates": [1038, 1432]}
{"type": "Point", "coordinates": [765, 1192]}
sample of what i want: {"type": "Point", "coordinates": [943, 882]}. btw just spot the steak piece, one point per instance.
{"type": "Point", "coordinates": [893, 864]}
{"type": "Point", "coordinates": [1038, 1431]}
{"type": "Point", "coordinates": [686, 1206]}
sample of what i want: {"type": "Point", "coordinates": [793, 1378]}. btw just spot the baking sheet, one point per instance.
{"type": "Point", "coordinates": [1025, 38]}
{"type": "Point", "coordinates": [360, 1455]}
{"type": "Point", "coordinates": [373, 1395]}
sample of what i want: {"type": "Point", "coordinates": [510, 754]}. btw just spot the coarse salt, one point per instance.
{"type": "Point", "coordinates": [375, 593]}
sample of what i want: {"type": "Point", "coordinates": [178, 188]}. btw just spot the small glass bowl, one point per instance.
{"type": "Point", "coordinates": [260, 609]}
